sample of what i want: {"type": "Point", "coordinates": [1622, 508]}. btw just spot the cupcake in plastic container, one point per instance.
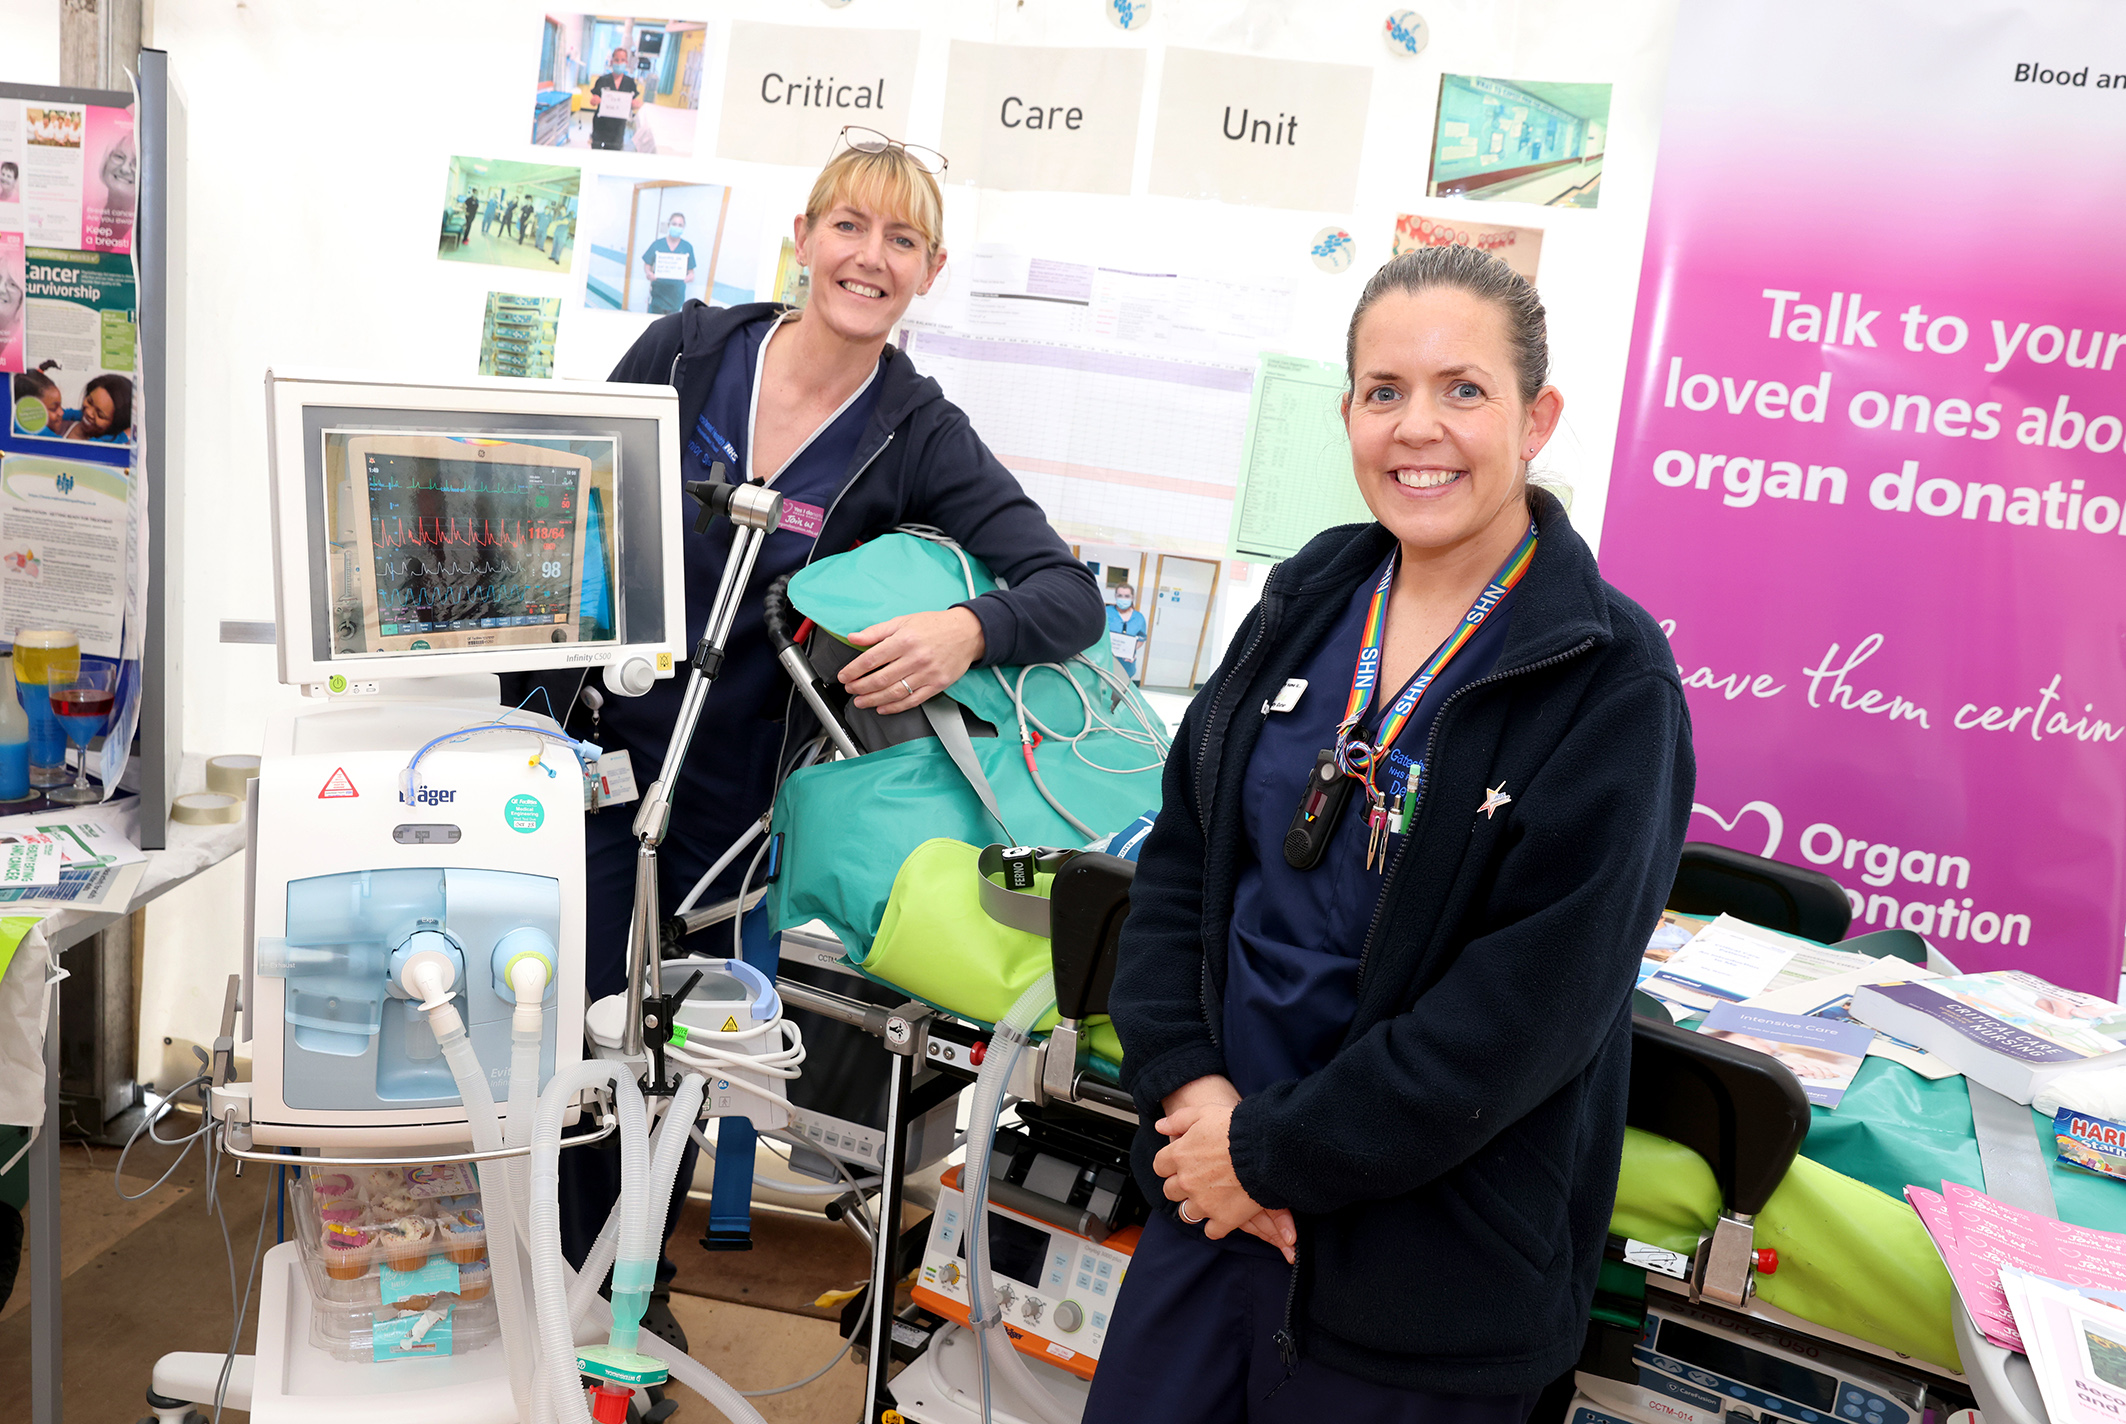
{"type": "Point", "coordinates": [397, 1202]}
{"type": "Point", "coordinates": [347, 1248]}
{"type": "Point", "coordinates": [464, 1235]}
{"type": "Point", "coordinates": [406, 1241]}
{"type": "Point", "coordinates": [332, 1186]}
{"type": "Point", "coordinates": [474, 1282]}
{"type": "Point", "coordinates": [346, 1211]}
{"type": "Point", "coordinates": [379, 1180]}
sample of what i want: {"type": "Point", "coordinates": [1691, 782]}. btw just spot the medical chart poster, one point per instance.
{"type": "Point", "coordinates": [65, 542]}
{"type": "Point", "coordinates": [1870, 469]}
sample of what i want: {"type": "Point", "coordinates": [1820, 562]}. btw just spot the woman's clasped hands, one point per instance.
{"type": "Point", "coordinates": [1197, 1165]}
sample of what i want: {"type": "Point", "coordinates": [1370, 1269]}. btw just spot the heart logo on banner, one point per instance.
{"type": "Point", "coordinates": [1774, 823]}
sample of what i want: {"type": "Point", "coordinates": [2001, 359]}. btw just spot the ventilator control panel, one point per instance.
{"type": "Point", "coordinates": [1055, 1287]}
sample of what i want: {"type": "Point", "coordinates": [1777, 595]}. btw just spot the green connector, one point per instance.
{"type": "Point", "coordinates": [621, 1366]}
{"type": "Point", "coordinates": [679, 1035]}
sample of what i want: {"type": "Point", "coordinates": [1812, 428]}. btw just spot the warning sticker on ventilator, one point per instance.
{"type": "Point", "coordinates": [337, 785]}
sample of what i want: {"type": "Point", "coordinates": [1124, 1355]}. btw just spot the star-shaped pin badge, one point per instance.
{"type": "Point", "coordinates": [1495, 797]}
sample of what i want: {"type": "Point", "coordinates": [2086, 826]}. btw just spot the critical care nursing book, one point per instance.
{"type": "Point", "coordinates": [2009, 1030]}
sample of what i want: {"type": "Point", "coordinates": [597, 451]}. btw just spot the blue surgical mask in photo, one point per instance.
{"type": "Point", "coordinates": [675, 231]}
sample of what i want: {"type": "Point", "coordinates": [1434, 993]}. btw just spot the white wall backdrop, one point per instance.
{"type": "Point", "coordinates": [320, 131]}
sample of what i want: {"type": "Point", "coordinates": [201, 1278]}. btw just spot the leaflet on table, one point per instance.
{"type": "Point", "coordinates": [80, 334]}
{"type": "Point", "coordinates": [29, 860]}
{"type": "Point", "coordinates": [1979, 1236]}
{"type": "Point", "coordinates": [2076, 1343]}
{"type": "Point", "coordinates": [91, 887]}
{"type": "Point", "coordinates": [76, 174]}
{"type": "Point", "coordinates": [1729, 959]}
{"type": "Point", "coordinates": [1823, 1054]}
{"type": "Point", "coordinates": [65, 547]}
{"type": "Point", "coordinates": [1004, 292]}
{"type": "Point", "coordinates": [1831, 997]}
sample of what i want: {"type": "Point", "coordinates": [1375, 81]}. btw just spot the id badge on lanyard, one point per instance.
{"type": "Point", "coordinates": [1388, 777]}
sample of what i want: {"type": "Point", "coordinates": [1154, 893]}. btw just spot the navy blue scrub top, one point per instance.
{"type": "Point", "coordinates": [1291, 986]}
{"type": "Point", "coordinates": [729, 776]}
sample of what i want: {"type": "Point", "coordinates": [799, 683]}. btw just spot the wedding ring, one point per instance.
{"type": "Point", "coordinates": [911, 690]}
{"type": "Point", "coordinates": [1191, 1220]}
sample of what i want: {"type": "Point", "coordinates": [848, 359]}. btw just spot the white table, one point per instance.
{"type": "Point", "coordinates": [34, 1068]}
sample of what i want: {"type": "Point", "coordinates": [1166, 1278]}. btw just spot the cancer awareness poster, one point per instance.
{"type": "Point", "coordinates": [1871, 466]}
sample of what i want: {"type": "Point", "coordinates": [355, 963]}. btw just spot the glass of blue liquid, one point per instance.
{"type": "Point", "coordinates": [82, 699]}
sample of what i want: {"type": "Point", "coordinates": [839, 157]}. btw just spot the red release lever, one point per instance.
{"type": "Point", "coordinates": [976, 1054]}
{"type": "Point", "coordinates": [1767, 1261]}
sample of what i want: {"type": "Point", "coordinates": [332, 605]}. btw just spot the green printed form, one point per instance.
{"type": "Point", "coordinates": [1295, 477]}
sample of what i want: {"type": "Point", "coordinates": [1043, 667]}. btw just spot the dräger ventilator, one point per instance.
{"type": "Point", "coordinates": [414, 964]}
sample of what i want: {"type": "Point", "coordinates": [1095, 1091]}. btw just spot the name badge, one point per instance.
{"type": "Point", "coordinates": [801, 518]}
{"type": "Point", "coordinates": [1287, 696]}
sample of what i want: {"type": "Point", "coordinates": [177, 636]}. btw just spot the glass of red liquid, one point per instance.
{"type": "Point", "coordinates": [81, 700]}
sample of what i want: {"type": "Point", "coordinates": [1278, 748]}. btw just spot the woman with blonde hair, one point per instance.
{"type": "Point", "coordinates": [819, 404]}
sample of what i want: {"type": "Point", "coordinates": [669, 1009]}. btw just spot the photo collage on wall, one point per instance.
{"type": "Point", "coordinates": [641, 240]}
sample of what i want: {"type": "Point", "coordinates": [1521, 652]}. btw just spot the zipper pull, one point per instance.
{"type": "Point", "coordinates": [1287, 1349]}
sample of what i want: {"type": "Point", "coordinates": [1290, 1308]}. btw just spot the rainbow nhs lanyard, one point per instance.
{"type": "Point", "coordinates": [1360, 760]}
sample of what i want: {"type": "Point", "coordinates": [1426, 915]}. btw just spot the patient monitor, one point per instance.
{"type": "Point", "coordinates": [428, 538]}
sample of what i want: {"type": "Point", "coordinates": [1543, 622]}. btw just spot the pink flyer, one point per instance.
{"type": "Point", "coordinates": [110, 188]}
{"type": "Point", "coordinates": [13, 284]}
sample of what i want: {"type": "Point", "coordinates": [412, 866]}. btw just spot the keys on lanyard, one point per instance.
{"type": "Point", "coordinates": [1392, 801]}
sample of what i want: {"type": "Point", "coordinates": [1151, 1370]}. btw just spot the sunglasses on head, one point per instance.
{"type": "Point", "coordinates": [865, 140]}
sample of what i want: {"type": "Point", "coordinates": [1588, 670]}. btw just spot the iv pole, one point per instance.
{"type": "Point", "coordinates": [754, 511]}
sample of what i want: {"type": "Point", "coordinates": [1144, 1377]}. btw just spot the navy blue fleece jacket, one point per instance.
{"type": "Point", "coordinates": [1451, 1171]}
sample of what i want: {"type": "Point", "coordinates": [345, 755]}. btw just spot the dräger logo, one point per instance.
{"type": "Point", "coordinates": [434, 796]}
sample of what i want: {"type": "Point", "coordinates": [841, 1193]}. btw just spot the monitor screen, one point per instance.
{"type": "Point", "coordinates": [426, 531]}
{"type": "Point", "coordinates": [469, 540]}
{"type": "Point", "coordinates": [1016, 1249]}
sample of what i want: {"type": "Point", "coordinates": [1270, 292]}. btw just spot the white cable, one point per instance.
{"type": "Point", "coordinates": [1149, 733]}
{"type": "Point", "coordinates": [723, 862]}
{"type": "Point", "coordinates": [745, 886]}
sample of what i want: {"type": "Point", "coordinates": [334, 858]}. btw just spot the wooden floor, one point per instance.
{"type": "Point", "coordinates": [149, 1277]}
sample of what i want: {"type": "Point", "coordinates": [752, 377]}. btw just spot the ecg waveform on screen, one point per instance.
{"type": "Point", "coordinates": [437, 596]}
{"type": "Point", "coordinates": [444, 567]}
{"type": "Point", "coordinates": [393, 532]}
{"type": "Point", "coordinates": [471, 546]}
{"type": "Point", "coordinates": [461, 477]}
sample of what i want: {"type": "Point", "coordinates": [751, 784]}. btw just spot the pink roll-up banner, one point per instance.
{"type": "Point", "coordinates": [1870, 467]}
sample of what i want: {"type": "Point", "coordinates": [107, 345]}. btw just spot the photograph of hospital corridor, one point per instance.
{"type": "Point", "coordinates": [1519, 141]}
{"type": "Point", "coordinates": [509, 214]}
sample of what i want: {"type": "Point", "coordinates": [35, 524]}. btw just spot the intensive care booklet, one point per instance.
{"type": "Point", "coordinates": [1823, 1053]}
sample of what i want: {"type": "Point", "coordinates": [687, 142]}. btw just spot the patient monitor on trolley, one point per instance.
{"type": "Point", "coordinates": [428, 538]}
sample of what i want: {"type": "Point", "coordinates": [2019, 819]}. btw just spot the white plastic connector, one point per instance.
{"type": "Point", "coordinates": [527, 978]}
{"type": "Point", "coordinates": [428, 976]}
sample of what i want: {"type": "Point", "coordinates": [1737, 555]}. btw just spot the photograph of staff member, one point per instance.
{"type": "Point", "coordinates": [1125, 629]}
{"type": "Point", "coordinates": [493, 209]}
{"type": "Point", "coordinates": [10, 182]}
{"type": "Point", "coordinates": [656, 245]}
{"type": "Point", "coordinates": [106, 411]}
{"type": "Point", "coordinates": [39, 408]}
{"type": "Point", "coordinates": [1519, 141]}
{"type": "Point", "coordinates": [668, 266]}
{"type": "Point", "coordinates": [625, 85]}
